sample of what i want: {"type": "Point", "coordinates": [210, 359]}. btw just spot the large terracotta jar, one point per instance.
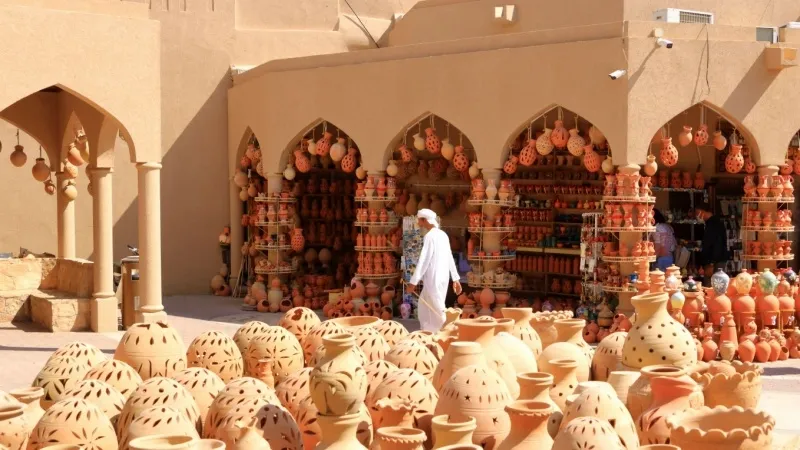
{"type": "Point", "coordinates": [118, 374]}
{"type": "Point", "coordinates": [731, 384]}
{"type": "Point", "coordinates": [311, 433]}
{"type": "Point", "coordinates": [570, 345]}
{"type": "Point", "coordinates": [299, 321]}
{"type": "Point", "coordinates": [565, 380]}
{"type": "Point", "coordinates": [158, 392]}
{"type": "Point", "coordinates": [152, 349]}
{"type": "Point", "coordinates": [400, 438]}
{"type": "Point", "coordinates": [247, 332]}
{"type": "Point", "coordinates": [608, 355]}
{"type": "Point", "coordinates": [657, 338]}
{"type": "Point", "coordinates": [722, 428]}
{"type": "Point", "coordinates": [457, 356]}
{"type": "Point", "coordinates": [293, 389]}
{"type": "Point", "coordinates": [670, 396]}
{"type": "Point", "coordinates": [408, 385]}
{"type": "Point", "coordinates": [216, 352]}
{"type": "Point", "coordinates": [84, 353]}
{"type": "Point", "coordinates": [410, 354]}
{"type": "Point", "coordinates": [339, 432]}
{"type": "Point", "coordinates": [30, 398]}
{"type": "Point", "coordinates": [204, 386]}
{"type": "Point", "coordinates": [393, 332]}
{"type": "Point", "coordinates": [536, 386]}
{"type": "Point", "coordinates": [523, 330]}
{"type": "Point", "coordinates": [57, 376]}
{"type": "Point", "coordinates": [601, 402]}
{"type": "Point", "coordinates": [588, 433]}
{"type": "Point", "coordinates": [159, 420]}
{"type": "Point", "coordinates": [100, 394]}
{"type": "Point", "coordinates": [338, 381]}
{"type": "Point", "coordinates": [521, 357]}
{"type": "Point", "coordinates": [528, 426]}
{"type": "Point", "coordinates": [74, 421]}
{"type": "Point", "coordinates": [313, 339]}
{"type": "Point", "coordinates": [448, 431]}
{"type": "Point", "coordinates": [640, 394]}
{"type": "Point", "coordinates": [236, 393]}
{"type": "Point", "coordinates": [15, 426]}
{"type": "Point", "coordinates": [478, 392]}
{"type": "Point", "coordinates": [482, 331]}
{"type": "Point", "coordinates": [274, 421]}
{"type": "Point", "coordinates": [278, 345]}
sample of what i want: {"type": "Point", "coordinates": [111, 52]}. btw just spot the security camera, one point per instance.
{"type": "Point", "coordinates": [664, 42]}
{"type": "Point", "coordinates": [617, 74]}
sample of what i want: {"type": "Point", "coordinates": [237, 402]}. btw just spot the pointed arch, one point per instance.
{"type": "Point", "coordinates": [314, 130]}
{"type": "Point", "coordinates": [443, 127]}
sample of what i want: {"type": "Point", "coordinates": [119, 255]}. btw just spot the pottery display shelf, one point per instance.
{"type": "Point", "coordinates": [275, 199]}
{"type": "Point", "coordinates": [771, 228]}
{"type": "Point", "coordinates": [274, 252]}
{"type": "Point", "coordinates": [365, 248]}
{"type": "Point", "coordinates": [504, 257]}
{"type": "Point", "coordinates": [506, 284]}
{"type": "Point", "coordinates": [387, 224]}
{"type": "Point", "coordinates": [378, 276]}
{"type": "Point", "coordinates": [628, 199]}
{"type": "Point", "coordinates": [767, 199]}
{"type": "Point", "coordinates": [375, 198]}
{"type": "Point", "coordinates": [268, 247]}
{"type": "Point", "coordinates": [490, 252]}
{"type": "Point", "coordinates": [628, 259]}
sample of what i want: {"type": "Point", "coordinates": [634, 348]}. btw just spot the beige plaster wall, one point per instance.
{"type": "Point", "coordinates": [726, 12]}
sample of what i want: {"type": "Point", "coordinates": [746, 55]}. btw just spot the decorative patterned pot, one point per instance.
{"type": "Point", "coordinates": [74, 421]}
{"type": "Point", "coordinates": [450, 433]}
{"type": "Point", "coordinates": [311, 432]}
{"type": "Point", "coordinates": [722, 428]}
{"type": "Point", "coordinates": [159, 420]}
{"type": "Point", "coordinates": [293, 389]}
{"type": "Point", "coordinates": [640, 394]}
{"type": "Point", "coordinates": [601, 402]}
{"type": "Point", "coordinates": [408, 385]}
{"type": "Point", "coordinates": [86, 354]}
{"type": "Point", "coordinates": [313, 339]}
{"type": "Point", "coordinates": [570, 345]}
{"type": "Point", "coordinates": [117, 374]}
{"type": "Point", "coordinates": [279, 345]}
{"type": "Point", "coordinates": [393, 332]}
{"type": "Point", "coordinates": [670, 397]}
{"type": "Point", "coordinates": [457, 356]}
{"type": "Point", "coordinates": [528, 426]}
{"type": "Point", "coordinates": [274, 421]}
{"type": "Point", "coordinates": [299, 321]}
{"type": "Point", "coordinates": [607, 355]}
{"type": "Point", "coordinates": [739, 387]}
{"type": "Point", "coordinates": [204, 386]}
{"type": "Point", "coordinates": [152, 349]}
{"type": "Point", "coordinates": [377, 371]}
{"type": "Point", "coordinates": [100, 394]}
{"type": "Point", "coordinates": [57, 376]}
{"type": "Point", "coordinates": [236, 393]}
{"type": "Point", "coordinates": [247, 332]}
{"type": "Point", "coordinates": [482, 331]}
{"type": "Point", "coordinates": [15, 426]}
{"type": "Point", "coordinates": [410, 354]}
{"type": "Point", "coordinates": [216, 352]}
{"type": "Point", "coordinates": [523, 330]}
{"type": "Point", "coordinates": [338, 381]}
{"type": "Point", "coordinates": [154, 392]}
{"type": "Point", "coordinates": [339, 432]}
{"type": "Point", "coordinates": [535, 386]}
{"type": "Point", "coordinates": [587, 433]}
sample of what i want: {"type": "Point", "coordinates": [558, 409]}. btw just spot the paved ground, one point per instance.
{"type": "Point", "coordinates": [23, 350]}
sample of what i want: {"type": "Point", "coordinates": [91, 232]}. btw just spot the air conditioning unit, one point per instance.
{"type": "Point", "coordinates": [675, 15]}
{"type": "Point", "coordinates": [767, 34]}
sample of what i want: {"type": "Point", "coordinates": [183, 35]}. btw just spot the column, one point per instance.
{"type": "Point", "coordinates": [237, 235]}
{"type": "Point", "coordinates": [104, 302]}
{"type": "Point", "coordinates": [65, 220]}
{"type": "Point", "coordinates": [151, 308]}
{"type": "Point", "coordinates": [274, 184]}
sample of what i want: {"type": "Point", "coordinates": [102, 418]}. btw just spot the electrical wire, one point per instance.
{"type": "Point", "coordinates": [362, 25]}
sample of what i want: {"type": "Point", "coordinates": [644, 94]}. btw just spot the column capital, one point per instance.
{"type": "Point", "coordinates": [91, 170]}
{"type": "Point", "coordinates": [768, 170]}
{"type": "Point", "coordinates": [376, 173]}
{"type": "Point", "coordinates": [145, 166]}
{"type": "Point", "coordinates": [273, 176]}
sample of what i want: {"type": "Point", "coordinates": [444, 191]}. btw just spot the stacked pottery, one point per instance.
{"type": "Point", "coordinates": [313, 339]}
{"type": "Point", "coordinates": [216, 352]}
{"type": "Point", "coordinates": [338, 386]}
{"type": "Point", "coordinates": [152, 349]}
{"type": "Point", "coordinates": [377, 371]}
{"type": "Point", "coordinates": [536, 386]}
{"type": "Point", "coordinates": [570, 345]}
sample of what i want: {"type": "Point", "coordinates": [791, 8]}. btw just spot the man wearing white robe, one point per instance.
{"type": "Point", "coordinates": [435, 268]}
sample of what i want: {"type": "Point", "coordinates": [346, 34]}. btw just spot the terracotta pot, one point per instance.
{"type": "Point", "coordinates": [393, 332]}
{"type": "Point", "coordinates": [493, 423]}
{"type": "Point", "coordinates": [722, 428]}
{"type": "Point", "coordinates": [395, 412]}
{"type": "Point", "coordinates": [457, 356]}
{"type": "Point", "coordinates": [640, 394]}
{"type": "Point", "coordinates": [159, 420]}
{"type": "Point", "coordinates": [100, 394]}
{"type": "Point", "coordinates": [565, 380]}
{"type": "Point", "coordinates": [157, 392]}
{"type": "Point", "coordinates": [86, 354]}
{"type": "Point", "coordinates": [73, 421]}
{"type": "Point", "coordinates": [235, 393]}
{"type": "Point", "coordinates": [544, 325]}
{"type": "Point", "coordinates": [203, 384]}
{"type": "Point", "coordinates": [740, 386]}
{"type": "Point", "coordinates": [650, 343]}
{"type": "Point", "coordinates": [215, 351]}
{"type": "Point", "coordinates": [570, 345]}
{"type": "Point", "coordinates": [339, 432]}
{"type": "Point", "coordinates": [247, 332]}
{"type": "Point", "coordinates": [299, 321]}
{"type": "Point", "coordinates": [400, 438]}
{"type": "Point", "coordinates": [58, 376]}
{"type": "Point", "coordinates": [608, 355]}
{"type": "Point", "coordinates": [523, 330]}
{"type": "Point", "coordinates": [174, 442]}
{"type": "Point", "coordinates": [521, 357]}
{"type": "Point", "coordinates": [293, 389]}
{"type": "Point", "coordinates": [535, 386]}
{"type": "Point", "coordinates": [621, 381]}
{"type": "Point", "coordinates": [279, 345]}
{"type": "Point", "coordinates": [528, 426]}
{"type": "Point", "coordinates": [313, 339]}
{"type": "Point", "coordinates": [371, 342]}
{"type": "Point", "coordinates": [429, 340]}
{"type": "Point", "coordinates": [274, 422]}
{"type": "Point", "coordinates": [600, 401]}
{"type": "Point", "coordinates": [410, 354]}
{"type": "Point", "coordinates": [586, 433]}
{"type": "Point", "coordinates": [408, 385]}
{"type": "Point", "coordinates": [30, 397]}
{"type": "Point", "coordinates": [16, 426]}
{"type": "Point", "coordinates": [670, 396]}
{"type": "Point", "coordinates": [249, 437]}
{"type": "Point", "coordinates": [482, 332]}
{"type": "Point", "coordinates": [153, 349]}
{"type": "Point", "coordinates": [338, 382]}
{"type": "Point", "coordinates": [449, 432]}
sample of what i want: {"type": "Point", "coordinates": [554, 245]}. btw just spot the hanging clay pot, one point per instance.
{"type": "Point", "coordinates": [657, 338]}
{"type": "Point", "coordinates": [158, 392]}
{"type": "Point", "coordinates": [301, 161]}
{"type": "Point", "coordinates": [601, 402]}
{"type": "Point", "coordinates": [596, 136]}
{"type": "Point", "coordinates": [324, 144]}
{"type": "Point", "coordinates": [576, 143]}
{"type": "Point", "coordinates": [338, 150]}
{"type": "Point", "coordinates": [559, 135]}
{"type": "Point", "coordinates": [153, 349]}
{"type": "Point", "coordinates": [734, 162]}
{"type": "Point", "coordinates": [720, 142]}
{"type": "Point", "coordinates": [432, 141]}
{"type": "Point", "coordinates": [218, 353]}
{"type": "Point", "coordinates": [701, 137]}
{"type": "Point", "coordinates": [338, 382]}
{"type": "Point", "coordinates": [721, 428]}
{"type": "Point", "coordinates": [543, 144]}
{"type": "Point", "coordinates": [40, 170]}
{"type": "Point", "coordinates": [669, 154]}
{"type": "Point", "coordinates": [535, 386]}
{"type": "Point", "coordinates": [474, 170]}
{"type": "Point", "coordinates": [607, 166]}
{"type": "Point", "coordinates": [570, 345]}
{"type": "Point", "coordinates": [460, 160]}
{"type": "Point", "coordinates": [448, 151]}
{"type": "Point", "coordinates": [451, 433]}
{"type": "Point", "coordinates": [591, 160]}
{"type": "Point", "coordinates": [586, 433]}
{"type": "Point", "coordinates": [349, 161]}
{"type": "Point", "coordinates": [685, 136]}
{"type": "Point", "coordinates": [650, 167]}
{"type": "Point", "coordinates": [419, 142]}
{"type": "Point", "coordinates": [73, 421]}
{"type": "Point", "coordinates": [18, 157]}
{"type": "Point", "coordinates": [247, 332]}
{"type": "Point", "coordinates": [528, 153]}
{"type": "Point", "coordinates": [279, 345]}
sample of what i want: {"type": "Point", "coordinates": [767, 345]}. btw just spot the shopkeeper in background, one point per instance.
{"type": "Point", "coordinates": [665, 243]}
{"type": "Point", "coordinates": [714, 253]}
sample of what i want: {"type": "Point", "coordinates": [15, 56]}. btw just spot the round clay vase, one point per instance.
{"type": "Point", "coordinates": [528, 426]}
{"type": "Point", "coordinates": [478, 392]}
{"type": "Point", "coordinates": [57, 376]}
{"type": "Point", "coordinates": [15, 426]}
{"type": "Point", "coordinates": [448, 432]}
{"type": "Point", "coordinates": [670, 397]}
{"type": "Point", "coordinates": [275, 423]}
{"type": "Point", "coordinates": [523, 330]}
{"type": "Point", "coordinates": [570, 345]}
{"type": "Point", "coordinates": [588, 433]}
{"type": "Point", "coordinates": [640, 394]}
{"type": "Point", "coordinates": [152, 349]}
{"type": "Point", "coordinates": [608, 355]}
{"type": "Point", "coordinates": [313, 339]}
{"type": "Point", "coordinates": [407, 385]}
{"type": "Point", "coordinates": [279, 345]}
{"type": "Point", "coordinates": [482, 331]}
{"type": "Point", "coordinates": [155, 392]}
{"type": "Point", "coordinates": [393, 332]}
{"type": "Point", "coordinates": [100, 394]}
{"type": "Point", "coordinates": [536, 386]}
{"type": "Point", "coordinates": [216, 352]}
{"type": "Point", "coordinates": [400, 438]}
{"type": "Point", "coordinates": [565, 380]}
{"type": "Point", "coordinates": [339, 432]}
{"type": "Point", "coordinates": [117, 374]}
{"type": "Point", "coordinates": [299, 321]}
{"type": "Point", "coordinates": [293, 389]}
{"type": "Point", "coordinates": [457, 356]}
{"type": "Point", "coordinates": [86, 354]}
{"type": "Point", "coordinates": [657, 338]}
{"type": "Point", "coordinates": [410, 354]}
{"type": "Point", "coordinates": [740, 386]}
{"type": "Point", "coordinates": [521, 357]}
{"type": "Point", "coordinates": [204, 386]}
{"type": "Point", "coordinates": [159, 420]}
{"type": "Point", "coordinates": [247, 332]}
{"type": "Point", "coordinates": [236, 393]}
{"type": "Point", "coordinates": [74, 421]}
{"type": "Point", "coordinates": [721, 428]}
{"type": "Point", "coordinates": [601, 402]}
{"type": "Point", "coordinates": [30, 398]}
{"type": "Point", "coordinates": [338, 382]}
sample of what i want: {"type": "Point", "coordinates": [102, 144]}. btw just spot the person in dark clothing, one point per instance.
{"type": "Point", "coordinates": [714, 252]}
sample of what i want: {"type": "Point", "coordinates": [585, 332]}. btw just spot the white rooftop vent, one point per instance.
{"type": "Point", "coordinates": [793, 25]}
{"type": "Point", "coordinates": [675, 15]}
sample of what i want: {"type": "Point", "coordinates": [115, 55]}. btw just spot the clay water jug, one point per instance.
{"type": "Point", "coordinates": [640, 394]}
{"type": "Point", "coordinates": [528, 426]}
{"type": "Point", "coordinates": [565, 380]}
{"type": "Point", "coordinates": [570, 345]}
{"type": "Point", "coordinates": [670, 396]}
{"type": "Point", "coordinates": [598, 400]}
{"type": "Point", "coordinates": [657, 338]}
{"type": "Point", "coordinates": [458, 355]}
{"type": "Point", "coordinates": [338, 382]}
{"type": "Point", "coordinates": [449, 432]}
{"type": "Point", "coordinates": [536, 386]}
{"type": "Point", "coordinates": [339, 432]}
